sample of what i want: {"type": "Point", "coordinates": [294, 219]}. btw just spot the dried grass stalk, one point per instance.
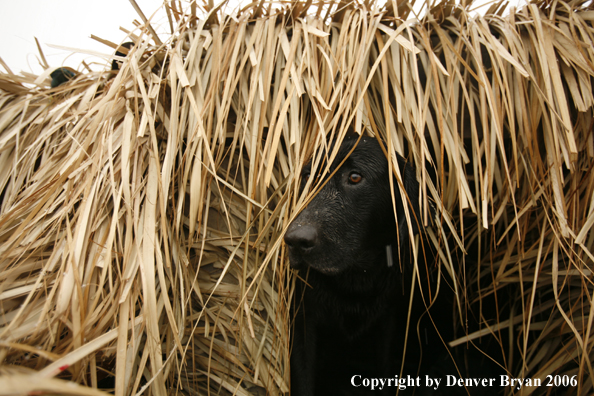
{"type": "Point", "coordinates": [142, 213]}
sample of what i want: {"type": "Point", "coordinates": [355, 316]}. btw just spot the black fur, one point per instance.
{"type": "Point", "coordinates": [352, 317]}
{"type": "Point", "coordinates": [352, 314]}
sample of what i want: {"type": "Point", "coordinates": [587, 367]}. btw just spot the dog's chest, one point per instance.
{"type": "Point", "coordinates": [353, 315]}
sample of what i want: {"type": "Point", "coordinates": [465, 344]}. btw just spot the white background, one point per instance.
{"type": "Point", "coordinates": [70, 23]}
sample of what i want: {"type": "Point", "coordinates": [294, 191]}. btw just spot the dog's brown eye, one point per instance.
{"type": "Point", "coordinates": [355, 178]}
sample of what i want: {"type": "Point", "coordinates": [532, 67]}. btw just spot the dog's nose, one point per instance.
{"type": "Point", "coordinates": [302, 237]}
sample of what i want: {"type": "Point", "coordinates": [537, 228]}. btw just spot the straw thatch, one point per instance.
{"type": "Point", "coordinates": [142, 212]}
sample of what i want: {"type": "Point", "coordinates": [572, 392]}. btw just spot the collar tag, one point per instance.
{"type": "Point", "coordinates": [389, 255]}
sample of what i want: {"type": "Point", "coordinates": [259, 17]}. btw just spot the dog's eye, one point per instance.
{"type": "Point", "coordinates": [355, 178]}
{"type": "Point", "coordinates": [305, 176]}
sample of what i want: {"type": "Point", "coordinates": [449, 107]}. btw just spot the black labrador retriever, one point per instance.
{"type": "Point", "coordinates": [351, 251]}
{"type": "Point", "coordinates": [351, 245]}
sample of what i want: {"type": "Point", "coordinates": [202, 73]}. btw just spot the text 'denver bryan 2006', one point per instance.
{"type": "Point", "coordinates": [452, 381]}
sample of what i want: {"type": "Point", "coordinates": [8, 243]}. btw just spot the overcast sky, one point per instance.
{"type": "Point", "coordinates": [70, 23]}
{"type": "Point", "coordinates": [67, 23]}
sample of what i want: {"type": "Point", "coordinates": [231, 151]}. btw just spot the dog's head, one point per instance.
{"type": "Point", "coordinates": [351, 220]}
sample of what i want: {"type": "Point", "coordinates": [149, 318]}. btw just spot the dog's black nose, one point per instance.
{"type": "Point", "coordinates": [302, 237]}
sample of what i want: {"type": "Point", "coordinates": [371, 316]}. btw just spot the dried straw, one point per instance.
{"type": "Point", "coordinates": [142, 212]}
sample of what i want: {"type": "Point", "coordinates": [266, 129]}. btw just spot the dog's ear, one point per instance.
{"type": "Point", "coordinates": [411, 205]}
{"type": "Point", "coordinates": [411, 186]}
{"type": "Point", "coordinates": [411, 189]}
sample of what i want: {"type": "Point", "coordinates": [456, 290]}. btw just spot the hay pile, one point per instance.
{"type": "Point", "coordinates": [142, 211]}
